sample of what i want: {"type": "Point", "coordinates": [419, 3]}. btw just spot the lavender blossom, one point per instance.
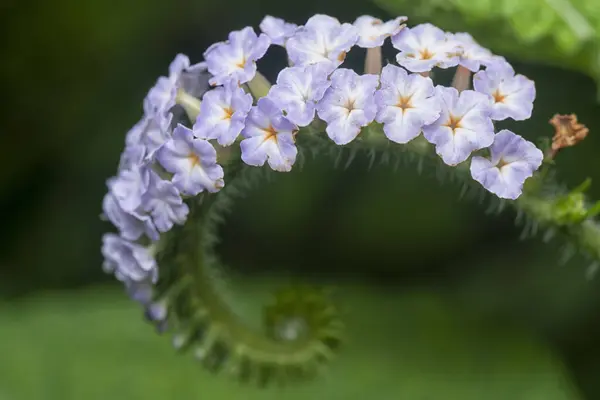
{"type": "Point", "coordinates": [269, 136]}
{"type": "Point", "coordinates": [298, 90]}
{"type": "Point", "coordinates": [423, 47]}
{"type": "Point", "coordinates": [192, 161]}
{"type": "Point", "coordinates": [222, 114]}
{"type": "Point", "coordinates": [348, 104]}
{"type": "Point", "coordinates": [406, 103]}
{"type": "Point", "coordinates": [372, 31]}
{"type": "Point", "coordinates": [463, 126]}
{"type": "Point", "coordinates": [277, 29]}
{"type": "Point", "coordinates": [513, 160]}
{"type": "Point", "coordinates": [127, 260]}
{"type": "Point", "coordinates": [511, 95]}
{"type": "Point", "coordinates": [235, 60]}
{"type": "Point", "coordinates": [163, 202]}
{"type": "Point", "coordinates": [322, 39]}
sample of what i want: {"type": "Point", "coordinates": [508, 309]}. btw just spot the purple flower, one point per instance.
{"type": "Point", "coordinates": [141, 292]}
{"type": "Point", "coordinates": [472, 54]}
{"type": "Point", "coordinates": [423, 47]}
{"type": "Point", "coordinates": [192, 161]}
{"type": "Point", "coordinates": [133, 155]}
{"type": "Point", "coordinates": [277, 29]}
{"type": "Point", "coordinates": [161, 97]}
{"type": "Point", "coordinates": [406, 103]}
{"type": "Point", "coordinates": [235, 59]}
{"type": "Point", "coordinates": [511, 95]}
{"type": "Point", "coordinates": [163, 202]}
{"type": "Point", "coordinates": [131, 225]}
{"type": "Point", "coordinates": [463, 126]}
{"type": "Point", "coordinates": [151, 132]}
{"type": "Point", "coordinates": [127, 260]}
{"type": "Point", "coordinates": [372, 31]}
{"type": "Point", "coordinates": [322, 39]}
{"type": "Point", "coordinates": [513, 160]}
{"type": "Point", "coordinates": [129, 186]}
{"type": "Point", "coordinates": [348, 104]}
{"type": "Point", "coordinates": [269, 136]}
{"type": "Point", "coordinates": [222, 114]}
{"type": "Point", "coordinates": [298, 90]}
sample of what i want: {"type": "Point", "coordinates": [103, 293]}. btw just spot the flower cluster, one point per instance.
{"type": "Point", "coordinates": [165, 161]}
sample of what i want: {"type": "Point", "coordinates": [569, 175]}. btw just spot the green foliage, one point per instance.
{"type": "Point", "coordinates": [411, 344]}
{"type": "Point", "coordinates": [565, 33]}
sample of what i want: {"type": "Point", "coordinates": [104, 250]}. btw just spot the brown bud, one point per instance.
{"type": "Point", "coordinates": [568, 132]}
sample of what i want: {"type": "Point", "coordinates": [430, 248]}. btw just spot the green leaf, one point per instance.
{"type": "Point", "coordinates": [564, 33]}
{"type": "Point", "coordinates": [413, 345]}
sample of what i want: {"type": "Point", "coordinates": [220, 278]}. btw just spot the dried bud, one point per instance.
{"type": "Point", "coordinates": [569, 132]}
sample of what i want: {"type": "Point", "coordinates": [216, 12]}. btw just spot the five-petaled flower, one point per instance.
{"type": "Point", "coordinates": [131, 225]}
{"type": "Point", "coordinates": [322, 39]}
{"type": "Point", "coordinates": [425, 46]}
{"type": "Point", "coordinates": [235, 59]}
{"type": "Point", "coordinates": [348, 104]}
{"type": "Point", "coordinates": [161, 97]}
{"type": "Point", "coordinates": [222, 115]}
{"type": "Point", "coordinates": [129, 261]}
{"type": "Point", "coordinates": [269, 136]}
{"type": "Point", "coordinates": [463, 126]}
{"type": "Point", "coordinates": [513, 160]}
{"type": "Point", "coordinates": [298, 90]}
{"type": "Point", "coordinates": [471, 54]}
{"type": "Point", "coordinates": [511, 95]}
{"type": "Point", "coordinates": [163, 202]}
{"type": "Point", "coordinates": [406, 103]}
{"type": "Point", "coordinates": [278, 30]}
{"type": "Point", "coordinates": [372, 31]}
{"type": "Point", "coordinates": [192, 161]}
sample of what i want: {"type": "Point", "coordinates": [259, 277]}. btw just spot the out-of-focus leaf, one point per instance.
{"type": "Point", "coordinates": [413, 345]}
{"type": "Point", "coordinates": [559, 32]}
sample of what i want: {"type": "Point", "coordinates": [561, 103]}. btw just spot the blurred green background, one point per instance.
{"type": "Point", "coordinates": [442, 301]}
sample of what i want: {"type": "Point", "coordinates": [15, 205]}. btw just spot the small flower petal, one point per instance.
{"type": "Point", "coordinates": [235, 59]}
{"type": "Point", "coordinates": [131, 225]}
{"type": "Point", "coordinates": [472, 54]}
{"type": "Point", "coordinates": [222, 115]}
{"type": "Point", "coordinates": [511, 95]}
{"type": "Point", "coordinates": [298, 90]}
{"type": "Point", "coordinates": [269, 136]}
{"type": "Point", "coordinates": [348, 104]}
{"type": "Point", "coordinates": [406, 103]}
{"type": "Point", "coordinates": [372, 31]}
{"type": "Point", "coordinates": [192, 161]}
{"type": "Point", "coordinates": [513, 160]}
{"type": "Point", "coordinates": [463, 126]}
{"type": "Point", "coordinates": [127, 260]}
{"type": "Point", "coordinates": [163, 202]}
{"type": "Point", "coordinates": [129, 186]}
{"type": "Point", "coordinates": [277, 29]}
{"type": "Point", "coordinates": [423, 47]}
{"type": "Point", "coordinates": [322, 39]}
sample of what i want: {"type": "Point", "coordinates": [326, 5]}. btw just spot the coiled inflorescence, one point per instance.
{"type": "Point", "coordinates": [203, 122]}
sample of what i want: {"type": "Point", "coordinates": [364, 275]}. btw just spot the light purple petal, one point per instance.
{"type": "Point", "coordinates": [372, 31]}
{"type": "Point", "coordinates": [269, 136]}
{"type": "Point", "coordinates": [405, 104]}
{"type": "Point", "coordinates": [472, 55]}
{"type": "Point", "coordinates": [322, 39]}
{"type": "Point", "coordinates": [298, 90]}
{"type": "Point", "coordinates": [192, 161]}
{"type": "Point", "coordinates": [235, 60]}
{"type": "Point", "coordinates": [222, 115]}
{"type": "Point", "coordinates": [348, 104]}
{"type": "Point", "coordinates": [423, 47]}
{"type": "Point", "coordinates": [163, 202]}
{"type": "Point", "coordinates": [513, 160]}
{"type": "Point", "coordinates": [464, 125]}
{"type": "Point", "coordinates": [511, 95]}
{"type": "Point", "coordinates": [127, 260]}
{"type": "Point", "coordinates": [277, 29]}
